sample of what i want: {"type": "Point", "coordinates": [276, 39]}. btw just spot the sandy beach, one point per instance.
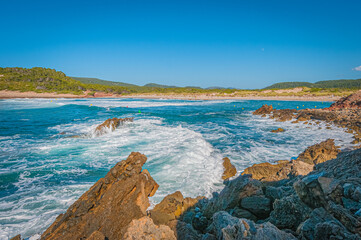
{"type": "Point", "coordinates": [5, 94]}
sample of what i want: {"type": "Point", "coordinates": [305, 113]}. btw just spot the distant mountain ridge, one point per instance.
{"type": "Point", "coordinates": [343, 83]}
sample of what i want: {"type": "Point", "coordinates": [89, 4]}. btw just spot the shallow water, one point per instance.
{"type": "Point", "coordinates": [43, 171]}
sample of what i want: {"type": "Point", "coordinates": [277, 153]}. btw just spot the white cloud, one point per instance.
{"type": "Point", "coordinates": [357, 68]}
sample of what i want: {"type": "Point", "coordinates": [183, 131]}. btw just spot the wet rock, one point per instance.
{"type": "Point", "coordinates": [289, 212]}
{"type": "Point", "coordinates": [229, 169]}
{"type": "Point", "coordinates": [278, 130]}
{"type": "Point", "coordinates": [172, 207]}
{"type": "Point", "coordinates": [265, 109]}
{"type": "Point", "coordinates": [319, 153]}
{"type": "Point", "coordinates": [258, 205]}
{"type": "Point", "coordinates": [109, 205]}
{"type": "Point", "coordinates": [224, 226]}
{"type": "Point", "coordinates": [144, 228]}
{"type": "Point", "coordinates": [17, 237]}
{"type": "Point", "coordinates": [110, 125]}
{"type": "Point", "coordinates": [184, 230]}
{"type": "Point", "coordinates": [283, 115]}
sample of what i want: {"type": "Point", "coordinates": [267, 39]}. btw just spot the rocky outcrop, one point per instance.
{"type": "Point", "coordinates": [283, 115]}
{"type": "Point", "coordinates": [224, 226]}
{"type": "Point", "coordinates": [265, 109]}
{"type": "Point", "coordinates": [303, 165]}
{"type": "Point", "coordinates": [229, 169]}
{"type": "Point", "coordinates": [109, 205]}
{"type": "Point", "coordinates": [352, 101]}
{"type": "Point", "coordinates": [320, 153]}
{"type": "Point", "coordinates": [172, 207]}
{"type": "Point", "coordinates": [278, 130]}
{"type": "Point", "coordinates": [110, 125]}
{"type": "Point", "coordinates": [144, 228]}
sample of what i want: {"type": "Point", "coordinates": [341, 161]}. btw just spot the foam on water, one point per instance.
{"type": "Point", "coordinates": [43, 170]}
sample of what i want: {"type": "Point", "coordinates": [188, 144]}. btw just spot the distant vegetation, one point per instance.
{"type": "Point", "coordinates": [49, 80]}
{"type": "Point", "coordinates": [347, 83]}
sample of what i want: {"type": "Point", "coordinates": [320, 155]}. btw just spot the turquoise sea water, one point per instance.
{"type": "Point", "coordinates": [43, 171]}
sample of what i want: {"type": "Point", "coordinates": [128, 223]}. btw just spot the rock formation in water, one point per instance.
{"type": "Point", "coordinates": [303, 165]}
{"type": "Point", "coordinates": [265, 109]}
{"type": "Point", "coordinates": [229, 169]}
{"type": "Point", "coordinates": [109, 205]}
{"type": "Point", "coordinates": [110, 125]}
{"type": "Point", "coordinates": [278, 130]}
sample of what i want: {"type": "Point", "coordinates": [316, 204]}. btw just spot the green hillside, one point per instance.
{"type": "Point", "coordinates": [103, 82]}
{"type": "Point", "coordinates": [343, 83]}
{"type": "Point", "coordinates": [155, 85]}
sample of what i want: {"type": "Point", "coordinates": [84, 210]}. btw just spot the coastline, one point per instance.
{"type": "Point", "coordinates": [5, 94]}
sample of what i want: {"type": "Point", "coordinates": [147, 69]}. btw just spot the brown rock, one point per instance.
{"type": "Point", "coordinates": [283, 115]}
{"type": "Point", "coordinates": [172, 207]}
{"type": "Point", "coordinates": [265, 109]}
{"type": "Point", "coordinates": [145, 229]}
{"type": "Point", "coordinates": [352, 101]}
{"type": "Point", "coordinates": [109, 205]}
{"type": "Point", "coordinates": [229, 169]}
{"type": "Point", "coordinates": [319, 153]}
{"type": "Point", "coordinates": [278, 130]}
{"type": "Point", "coordinates": [17, 237]}
{"type": "Point", "coordinates": [96, 236]}
{"type": "Point", "coordinates": [110, 124]}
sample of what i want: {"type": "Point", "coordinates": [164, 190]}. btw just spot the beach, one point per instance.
{"type": "Point", "coordinates": [5, 94]}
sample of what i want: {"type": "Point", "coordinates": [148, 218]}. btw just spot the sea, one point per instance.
{"type": "Point", "coordinates": [44, 168]}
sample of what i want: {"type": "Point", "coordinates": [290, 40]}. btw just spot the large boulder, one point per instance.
{"type": "Point", "coordinates": [258, 205]}
{"type": "Point", "coordinates": [110, 125]}
{"type": "Point", "coordinates": [230, 197]}
{"type": "Point", "coordinates": [352, 101]}
{"type": "Point", "coordinates": [226, 227]}
{"type": "Point", "coordinates": [144, 228]}
{"type": "Point", "coordinates": [265, 109]}
{"type": "Point", "coordinates": [172, 207]}
{"type": "Point", "coordinates": [229, 169]}
{"type": "Point", "coordinates": [320, 153]}
{"type": "Point", "coordinates": [109, 205]}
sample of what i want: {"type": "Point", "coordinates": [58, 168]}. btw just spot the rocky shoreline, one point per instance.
{"type": "Point", "coordinates": [316, 196]}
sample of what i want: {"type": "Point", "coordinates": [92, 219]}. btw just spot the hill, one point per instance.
{"type": "Point", "coordinates": [103, 82]}
{"type": "Point", "coordinates": [343, 83]}
{"type": "Point", "coordinates": [155, 85]}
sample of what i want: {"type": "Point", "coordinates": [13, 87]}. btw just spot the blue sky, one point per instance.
{"type": "Point", "coordinates": [243, 44]}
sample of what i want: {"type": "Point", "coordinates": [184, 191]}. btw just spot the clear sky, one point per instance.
{"type": "Point", "coordinates": [243, 44]}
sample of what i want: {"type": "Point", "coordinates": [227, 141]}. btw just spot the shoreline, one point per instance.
{"type": "Point", "coordinates": [5, 94]}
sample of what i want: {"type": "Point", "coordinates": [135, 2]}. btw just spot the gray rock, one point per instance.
{"type": "Point", "coordinates": [226, 227]}
{"type": "Point", "coordinates": [289, 212]}
{"type": "Point", "coordinates": [351, 205]}
{"type": "Point", "coordinates": [242, 213]}
{"type": "Point", "coordinates": [258, 205]}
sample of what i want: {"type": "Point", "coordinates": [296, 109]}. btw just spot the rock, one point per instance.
{"type": "Point", "coordinates": [208, 236]}
{"type": "Point", "coordinates": [322, 225]}
{"type": "Point", "coordinates": [283, 115]}
{"type": "Point", "coordinates": [229, 198]}
{"type": "Point", "coordinates": [96, 235]}
{"type": "Point", "coordinates": [278, 130]}
{"type": "Point", "coordinates": [224, 226]}
{"type": "Point", "coordinates": [265, 171]}
{"type": "Point", "coordinates": [275, 172]}
{"type": "Point", "coordinates": [109, 205]}
{"type": "Point", "coordinates": [258, 205]}
{"type": "Point", "coordinates": [110, 125]}
{"type": "Point", "coordinates": [265, 109]}
{"type": "Point", "coordinates": [200, 222]}
{"type": "Point", "coordinates": [17, 237]}
{"type": "Point", "coordinates": [172, 207]}
{"type": "Point", "coordinates": [351, 205]}
{"type": "Point", "coordinates": [289, 212]}
{"type": "Point", "coordinates": [352, 101]}
{"type": "Point", "coordinates": [183, 230]}
{"type": "Point", "coordinates": [144, 228]}
{"type": "Point", "coordinates": [242, 213]}
{"type": "Point", "coordinates": [319, 153]}
{"type": "Point", "coordinates": [229, 169]}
